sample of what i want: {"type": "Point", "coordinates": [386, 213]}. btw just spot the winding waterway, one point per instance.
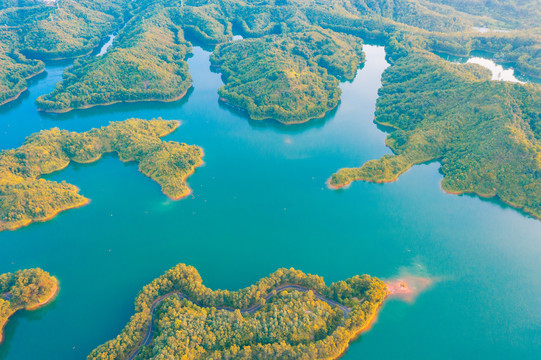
{"type": "Point", "coordinates": [260, 203]}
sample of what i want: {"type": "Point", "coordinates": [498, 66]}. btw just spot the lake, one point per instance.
{"type": "Point", "coordinates": [260, 203]}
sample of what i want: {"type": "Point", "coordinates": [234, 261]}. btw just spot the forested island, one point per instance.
{"type": "Point", "coordinates": [288, 314]}
{"type": "Point", "coordinates": [26, 198]}
{"type": "Point", "coordinates": [24, 290]}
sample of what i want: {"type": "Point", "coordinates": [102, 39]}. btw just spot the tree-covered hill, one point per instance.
{"type": "Point", "coordinates": [146, 63]}
{"type": "Point", "coordinates": [32, 29]}
{"type": "Point", "coordinates": [290, 78]}
{"type": "Point", "coordinates": [289, 64]}
{"type": "Point", "coordinates": [486, 134]}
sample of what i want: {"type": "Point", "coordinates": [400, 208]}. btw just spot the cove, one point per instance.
{"type": "Point", "coordinates": [499, 72]}
{"type": "Point", "coordinates": [260, 203]}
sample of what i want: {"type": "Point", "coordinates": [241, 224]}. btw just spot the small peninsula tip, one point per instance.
{"type": "Point", "coordinates": [25, 290]}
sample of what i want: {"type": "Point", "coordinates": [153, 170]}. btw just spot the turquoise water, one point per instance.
{"type": "Point", "coordinates": [260, 203]}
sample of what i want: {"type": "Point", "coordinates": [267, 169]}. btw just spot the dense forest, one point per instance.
{"type": "Point", "coordinates": [295, 52]}
{"type": "Point", "coordinates": [15, 69]}
{"type": "Point", "coordinates": [24, 289]}
{"type": "Point", "coordinates": [489, 145]}
{"type": "Point", "coordinates": [191, 321]}
{"type": "Point", "coordinates": [146, 63]}
{"type": "Point", "coordinates": [32, 29]}
{"type": "Point", "coordinates": [25, 198]}
{"type": "Point", "coordinates": [290, 78]}
{"type": "Point", "coordinates": [513, 13]}
{"type": "Point", "coordinates": [158, 70]}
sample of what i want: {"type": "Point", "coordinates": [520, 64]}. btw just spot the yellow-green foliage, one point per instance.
{"type": "Point", "coordinates": [147, 62]}
{"type": "Point", "coordinates": [205, 23]}
{"type": "Point", "coordinates": [25, 198]}
{"type": "Point", "coordinates": [31, 29]}
{"type": "Point", "coordinates": [66, 29]}
{"type": "Point", "coordinates": [291, 324]}
{"type": "Point", "coordinates": [289, 78]}
{"type": "Point", "coordinates": [513, 13]}
{"type": "Point", "coordinates": [487, 134]}
{"type": "Point", "coordinates": [14, 70]}
{"type": "Point", "coordinates": [24, 289]}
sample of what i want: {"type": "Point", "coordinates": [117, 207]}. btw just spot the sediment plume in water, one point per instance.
{"type": "Point", "coordinates": [409, 283]}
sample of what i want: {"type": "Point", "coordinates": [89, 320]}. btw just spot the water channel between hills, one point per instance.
{"type": "Point", "coordinates": [260, 203]}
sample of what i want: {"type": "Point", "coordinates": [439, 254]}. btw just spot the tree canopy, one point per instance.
{"type": "Point", "coordinates": [24, 289]}
{"type": "Point", "coordinates": [191, 321]}
{"type": "Point", "coordinates": [25, 198]}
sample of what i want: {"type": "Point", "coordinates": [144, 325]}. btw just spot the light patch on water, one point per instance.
{"type": "Point", "coordinates": [498, 72]}
{"type": "Point", "coordinates": [483, 29]}
{"type": "Point", "coordinates": [410, 282]}
{"type": "Point", "coordinates": [107, 45]}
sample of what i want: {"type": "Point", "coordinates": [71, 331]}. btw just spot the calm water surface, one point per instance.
{"type": "Point", "coordinates": [500, 72]}
{"type": "Point", "coordinates": [260, 203]}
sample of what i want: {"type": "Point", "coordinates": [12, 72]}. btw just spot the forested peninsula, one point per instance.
{"type": "Point", "coordinates": [147, 61]}
{"type": "Point", "coordinates": [25, 198]}
{"type": "Point", "coordinates": [34, 30]}
{"type": "Point", "coordinates": [288, 314]}
{"type": "Point", "coordinates": [486, 134]}
{"type": "Point", "coordinates": [24, 290]}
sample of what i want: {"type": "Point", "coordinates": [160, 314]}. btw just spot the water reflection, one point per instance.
{"type": "Point", "coordinates": [498, 72]}
{"type": "Point", "coordinates": [276, 125]}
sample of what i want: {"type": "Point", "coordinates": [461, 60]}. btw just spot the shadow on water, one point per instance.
{"type": "Point", "coordinates": [198, 43]}
{"type": "Point", "coordinates": [276, 125]}
{"type": "Point", "coordinates": [24, 95]}
{"type": "Point", "coordinates": [63, 62]}
{"type": "Point", "coordinates": [75, 166]}
{"type": "Point", "coordinates": [499, 203]}
{"type": "Point", "coordinates": [119, 108]}
{"type": "Point", "coordinates": [495, 200]}
{"type": "Point", "coordinates": [384, 128]}
{"type": "Point", "coordinates": [8, 107]}
{"type": "Point", "coordinates": [13, 322]}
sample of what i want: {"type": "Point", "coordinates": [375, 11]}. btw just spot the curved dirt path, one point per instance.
{"type": "Point", "coordinates": [150, 332]}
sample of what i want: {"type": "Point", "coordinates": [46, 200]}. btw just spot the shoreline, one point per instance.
{"type": "Point", "coordinates": [225, 101]}
{"type": "Point", "coordinates": [48, 217]}
{"type": "Point", "coordinates": [346, 185]}
{"type": "Point", "coordinates": [185, 178]}
{"type": "Point", "coordinates": [85, 201]}
{"type": "Point", "coordinates": [341, 352]}
{"type": "Point", "coordinates": [13, 98]}
{"type": "Point", "coordinates": [41, 304]}
{"type": "Point", "coordinates": [50, 298]}
{"type": "Point", "coordinates": [89, 106]}
{"type": "Point", "coordinates": [496, 197]}
{"type": "Point", "coordinates": [371, 321]}
{"type": "Point", "coordinates": [447, 191]}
